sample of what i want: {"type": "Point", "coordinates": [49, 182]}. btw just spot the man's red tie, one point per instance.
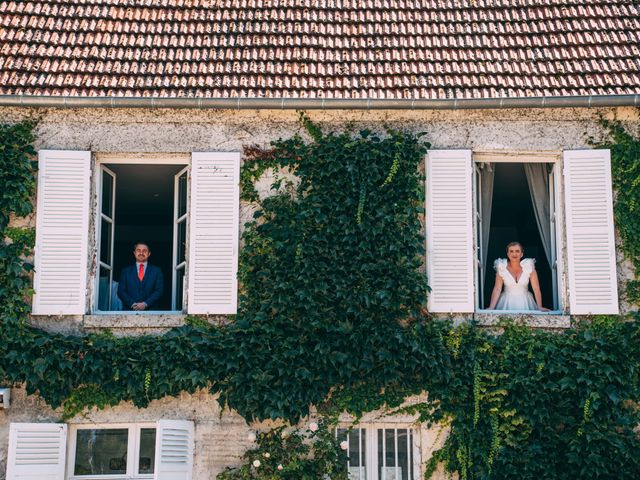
{"type": "Point", "coordinates": [141, 272]}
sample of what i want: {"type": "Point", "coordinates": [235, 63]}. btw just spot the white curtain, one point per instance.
{"type": "Point", "coordinates": [486, 200]}
{"type": "Point", "coordinates": [538, 180]}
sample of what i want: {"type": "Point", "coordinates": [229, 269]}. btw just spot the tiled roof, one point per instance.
{"type": "Point", "coordinates": [426, 49]}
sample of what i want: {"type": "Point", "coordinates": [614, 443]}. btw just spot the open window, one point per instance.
{"type": "Point", "coordinates": [185, 207]}
{"type": "Point", "coordinates": [142, 203]}
{"type": "Point", "coordinates": [381, 452]}
{"type": "Point", "coordinates": [515, 201]}
{"type": "Point", "coordinates": [559, 205]}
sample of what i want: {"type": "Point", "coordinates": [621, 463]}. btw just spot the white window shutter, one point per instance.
{"type": "Point", "coordinates": [591, 249]}
{"type": "Point", "coordinates": [450, 247]}
{"type": "Point", "coordinates": [36, 451]}
{"type": "Point", "coordinates": [174, 450]}
{"type": "Point", "coordinates": [213, 233]}
{"type": "Point", "coordinates": [62, 232]}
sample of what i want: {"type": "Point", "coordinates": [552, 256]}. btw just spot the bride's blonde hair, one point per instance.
{"type": "Point", "coordinates": [513, 244]}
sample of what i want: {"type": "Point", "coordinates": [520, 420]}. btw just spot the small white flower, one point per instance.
{"type": "Point", "coordinates": [284, 434]}
{"type": "Point", "coordinates": [344, 445]}
{"type": "Point", "coordinates": [266, 454]}
{"type": "Point", "coordinates": [280, 467]}
{"type": "Point", "coordinates": [313, 426]}
{"type": "Point", "coordinates": [256, 463]}
{"type": "Point", "coordinates": [251, 436]}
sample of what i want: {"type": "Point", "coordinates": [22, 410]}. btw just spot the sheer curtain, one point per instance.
{"type": "Point", "coordinates": [486, 200]}
{"type": "Point", "coordinates": [538, 180]}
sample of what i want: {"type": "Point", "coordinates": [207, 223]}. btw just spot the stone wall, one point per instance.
{"type": "Point", "coordinates": [221, 437]}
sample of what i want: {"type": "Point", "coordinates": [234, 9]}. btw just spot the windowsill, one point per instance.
{"type": "Point", "coordinates": [137, 312]}
{"type": "Point", "coordinates": [115, 476]}
{"type": "Point", "coordinates": [131, 319]}
{"type": "Point", "coordinates": [535, 319]}
{"type": "Point", "coordinates": [520, 312]}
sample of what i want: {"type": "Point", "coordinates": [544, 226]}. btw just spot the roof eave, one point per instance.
{"type": "Point", "coordinates": [587, 101]}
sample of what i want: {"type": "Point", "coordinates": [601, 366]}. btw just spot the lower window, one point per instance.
{"type": "Point", "coordinates": [380, 453]}
{"type": "Point", "coordinates": [127, 450]}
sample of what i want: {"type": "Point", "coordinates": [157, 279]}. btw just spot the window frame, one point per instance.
{"type": "Point", "coordinates": [371, 448]}
{"type": "Point", "coordinates": [133, 450]}
{"type": "Point", "coordinates": [555, 158]}
{"type": "Point", "coordinates": [146, 159]}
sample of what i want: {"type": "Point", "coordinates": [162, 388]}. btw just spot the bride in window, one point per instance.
{"type": "Point", "coordinates": [515, 273]}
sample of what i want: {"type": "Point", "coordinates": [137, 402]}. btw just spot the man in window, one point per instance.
{"type": "Point", "coordinates": [141, 284]}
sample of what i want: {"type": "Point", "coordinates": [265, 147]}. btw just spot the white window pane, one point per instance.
{"type": "Point", "coordinates": [390, 449]}
{"type": "Point", "coordinates": [403, 457]}
{"type": "Point", "coordinates": [107, 193]}
{"type": "Point", "coordinates": [395, 454]}
{"type": "Point", "coordinates": [356, 440]}
{"type": "Point", "coordinates": [182, 194]}
{"type": "Point", "coordinates": [105, 242]}
{"type": "Point", "coordinates": [147, 454]}
{"type": "Point", "coordinates": [104, 289]}
{"type": "Point", "coordinates": [381, 456]}
{"type": "Point", "coordinates": [101, 451]}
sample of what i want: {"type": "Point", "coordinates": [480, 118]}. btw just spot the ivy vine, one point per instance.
{"type": "Point", "coordinates": [307, 453]}
{"type": "Point", "coordinates": [625, 173]}
{"type": "Point", "coordinates": [332, 314]}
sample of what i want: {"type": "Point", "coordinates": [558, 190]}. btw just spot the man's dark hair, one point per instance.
{"type": "Point", "coordinates": [141, 243]}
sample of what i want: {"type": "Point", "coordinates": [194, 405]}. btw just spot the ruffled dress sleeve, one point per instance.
{"type": "Point", "coordinates": [500, 266]}
{"type": "Point", "coordinates": [528, 265]}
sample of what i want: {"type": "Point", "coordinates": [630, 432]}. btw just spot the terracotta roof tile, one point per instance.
{"type": "Point", "coordinates": [342, 49]}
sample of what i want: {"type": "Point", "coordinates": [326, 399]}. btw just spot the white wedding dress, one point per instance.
{"type": "Point", "coordinates": [516, 294]}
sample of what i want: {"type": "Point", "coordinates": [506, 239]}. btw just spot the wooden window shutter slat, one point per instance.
{"type": "Point", "coordinates": [450, 246]}
{"type": "Point", "coordinates": [213, 240]}
{"type": "Point", "coordinates": [593, 287]}
{"type": "Point", "coordinates": [62, 232]}
{"type": "Point", "coordinates": [36, 451]}
{"type": "Point", "coordinates": [174, 450]}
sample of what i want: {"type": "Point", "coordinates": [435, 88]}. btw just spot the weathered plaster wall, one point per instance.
{"type": "Point", "coordinates": [164, 130]}
{"type": "Point", "coordinates": [179, 132]}
{"type": "Point", "coordinates": [220, 439]}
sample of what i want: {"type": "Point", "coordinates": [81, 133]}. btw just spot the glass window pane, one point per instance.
{"type": "Point", "coordinates": [411, 474]}
{"type": "Point", "coordinates": [381, 454]}
{"type": "Point", "coordinates": [403, 458]}
{"type": "Point", "coordinates": [392, 454]}
{"type": "Point", "coordinates": [182, 242]}
{"type": "Point", "coordinates": [363, 450]}
{"type": "Point", "coordinates": [101, 451]}
{"type": "Point", "coordinates": [354, 448]}
{"type": "Point", "coordinates": [107, 194]}
{"type": "Point", "coordinates": [390, 447]}
{"type": "Point", "coordinates": [357, 449]}
{"type": "Point", "coordinates": [179, 289]}
{"type": "Point", "coordinates": [356, 461]}
{"type": "Point", "coordinates": [182, 194]}
{"type": "Point", "coordinates": [104, 289]}
{"type": "Point", "coordinates": [147, 455]}
{"type": "Point", "coordinates": [105, 242]}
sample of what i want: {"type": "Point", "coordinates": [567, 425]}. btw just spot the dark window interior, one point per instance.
{"type": "Point", "coordinates": [144, 212]}
{"type": "Point", "coordinates": [513, 220]}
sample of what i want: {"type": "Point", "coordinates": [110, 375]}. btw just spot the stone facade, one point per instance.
{"type": "Point", "coordinates": [221, 436]}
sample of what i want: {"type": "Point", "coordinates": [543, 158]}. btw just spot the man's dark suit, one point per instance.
{"type": "Point", "coordinates": [131, 290]}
